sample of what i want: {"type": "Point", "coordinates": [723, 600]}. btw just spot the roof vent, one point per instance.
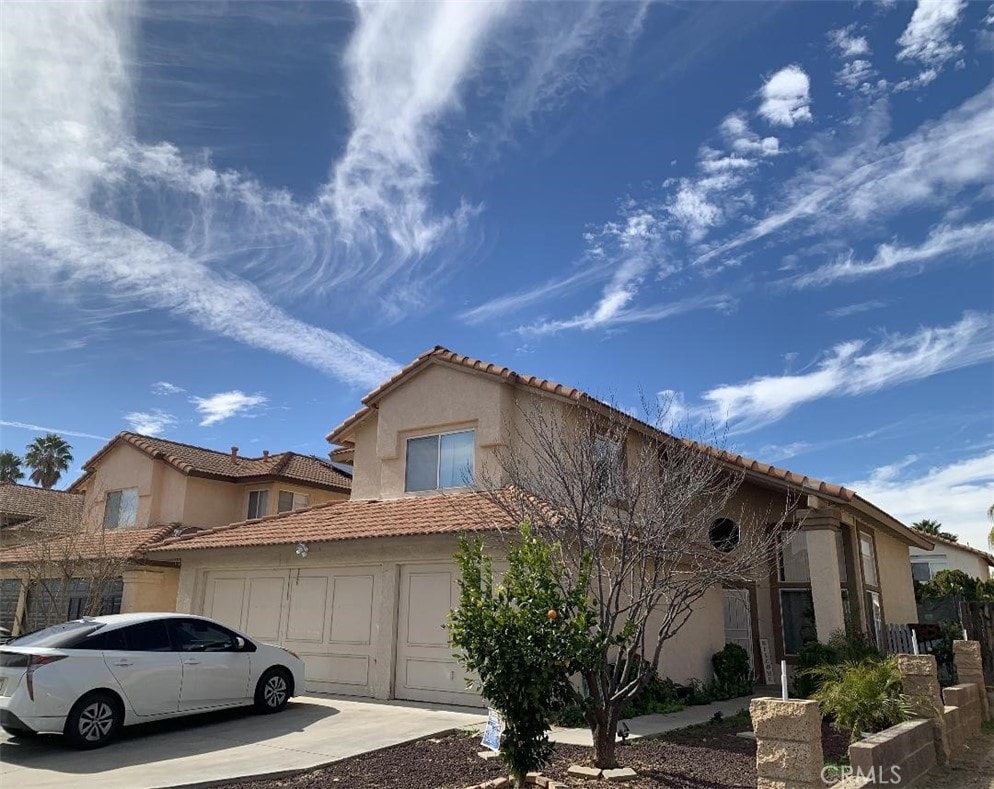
{"type": "Point", "coordinates": [265, 453]}
{"type": "Point", "coordinates": [234, 453]}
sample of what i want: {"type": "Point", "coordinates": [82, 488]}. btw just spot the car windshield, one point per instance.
{"type": "Point", "coordinates": [62, 635]}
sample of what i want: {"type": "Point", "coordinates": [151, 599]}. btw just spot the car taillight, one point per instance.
{"type": "Point", "coordinates": [35, 662]}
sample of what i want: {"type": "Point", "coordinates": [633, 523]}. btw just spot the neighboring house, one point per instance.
{"type": "Point", "coordinates": [27, 512]}
{"type": "Point", "coordinates": [133, 492]}
{"type": "Point", "coordinates": [362, 590]}
{"type": "Point", "coordinates": [142, 480]}
{"type": "Point", "coordinates": [949, 555]}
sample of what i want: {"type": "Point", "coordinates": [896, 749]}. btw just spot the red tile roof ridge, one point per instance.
{"type": "Point", "coordinates": [37, 487]}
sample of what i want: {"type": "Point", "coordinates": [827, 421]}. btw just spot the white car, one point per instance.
{"type": "Point", "coordinates": [89, 677]}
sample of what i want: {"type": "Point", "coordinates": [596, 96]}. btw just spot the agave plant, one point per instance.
{"type": "Point", "coordinates": [862, 696]}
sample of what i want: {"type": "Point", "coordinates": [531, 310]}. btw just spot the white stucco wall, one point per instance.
{"type": "Point", "coordinates": [956, 559]}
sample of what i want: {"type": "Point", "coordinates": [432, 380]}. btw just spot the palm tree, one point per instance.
{"type": "Point", "coordinates": [990, 537]}
{"type": "Point", "coordinates": [10, 467]}
{"type": "Point", "coordinates": [48, 457]}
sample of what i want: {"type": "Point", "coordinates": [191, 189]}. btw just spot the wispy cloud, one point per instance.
{"type": "Point", "coordinates": [847, 43]}
{"type": "Point", "coordinates": [605, 315]}
{"type": "Point", "coordinates": [218, 247]}
{"type": "Point", "coordinates": [957, 494]}
{"type": "Point", "coordinates": [854, 309]}
{"type": "Point", "coordinates": [151, 423]}
{"type": "Point", "coordinates": [964, 241]}
{"type": "Point", "coordinates": [225, 405]}
{"type": "Point", "coordinates": [786, 97]}
{"type": "Point", "coordinates": [854, 368]}
{"type": "Point", "coordinates": [927, 38]}
{"type": "Point", "coordinates": [166, 388]}
{"type": "Point", "coordinates": [873, 179]}
{"type": "Point", "coordinates": [42, 429]}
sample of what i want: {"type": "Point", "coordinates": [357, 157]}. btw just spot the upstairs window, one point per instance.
{"type": "Point", "coordinates": [121, 509]}
{"type": "Point", "coordinates": [292, 501]}
{"type": "Point", "coordinates": [609, 465]}
{"type": "Point", "coordinates": [258, 504]}
{"type": "Point", "coordinates": [869, 557]}
{"type": "Point", "coordinates": [441, 461]}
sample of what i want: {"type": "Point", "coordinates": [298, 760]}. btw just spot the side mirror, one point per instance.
{"type": "Point", "coordinates": [239, 643]}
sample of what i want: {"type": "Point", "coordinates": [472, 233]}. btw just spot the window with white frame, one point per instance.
{"type": "Point", "coordinates": [445, 460]}
{"type": "Point", "coordinates": [290, 500]}
{"type": "Point", "coordinates": [868, 554]}
{"type": "Point", "coordinates": [258, 504]}
{"type": "Point", "coordinates": [924, 568]}
{"type": "Point", "coordinates": [121, 508]}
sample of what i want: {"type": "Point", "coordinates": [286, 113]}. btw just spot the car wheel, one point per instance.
{"type": "Point", "coordinates": [273, 691]}
{"type": "Point", "coordinates": [13, 731]}
{"type": "Point", "coordinates": [94, 720]}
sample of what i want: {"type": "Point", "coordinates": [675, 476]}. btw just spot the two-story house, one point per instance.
{"type": "Point", "coordinates": [362, 589]}
{"type": "Point", "coordinates": [134, 491]}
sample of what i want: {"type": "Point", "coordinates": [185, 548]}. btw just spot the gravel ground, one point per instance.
{"type": "Point", "coordinates": [700, 757]}
{"type": "Point", "coordinates": [973, 767]}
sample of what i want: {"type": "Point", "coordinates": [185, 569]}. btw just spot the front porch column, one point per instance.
{"type": "Point", "coordinates": [821, 527]}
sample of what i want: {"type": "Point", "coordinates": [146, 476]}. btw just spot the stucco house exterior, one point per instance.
{"type": "Point", "coordinates": [134, 491]}
{"type": "Point", "coordinates": [949, 555]}
{"type": "Point", "coordinates": [361, 589]}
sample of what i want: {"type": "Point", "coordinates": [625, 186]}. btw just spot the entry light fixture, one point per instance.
{"type": "Point", "coordinates": [302, 550]}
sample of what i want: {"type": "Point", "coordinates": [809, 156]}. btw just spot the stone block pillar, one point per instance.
{"type": "Point", "coordinates": [788, 743]}
{"type": "Point", "coordinates": [969, 668]}
{"type": "Point", "coordinates": [920, 677]}
{"type": "Point", "coordinates": [821, 527]}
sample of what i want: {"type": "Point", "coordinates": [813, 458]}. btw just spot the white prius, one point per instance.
{"type": "Point", "coordinates": [89, 677]}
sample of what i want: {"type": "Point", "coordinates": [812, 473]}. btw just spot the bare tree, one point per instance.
{"type": "Point", "coordinates": [66, 570]}
{"type": "Point", "coordinates": [656, 516]}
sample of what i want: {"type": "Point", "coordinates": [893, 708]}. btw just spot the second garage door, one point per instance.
{"type": "Point", "coordinates": [325, 615]}
{"type": "Point", "coordinates": [426, 669]}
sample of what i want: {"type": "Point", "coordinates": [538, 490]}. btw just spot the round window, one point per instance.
{"type": "Point", "coordinates": [724, 534]}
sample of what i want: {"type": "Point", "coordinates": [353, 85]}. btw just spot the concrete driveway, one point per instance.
{"type": "Point", "coordinates": [313, 730]}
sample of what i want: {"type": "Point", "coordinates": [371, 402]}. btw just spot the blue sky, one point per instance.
{"type": "Point", "coordinates": [225, 223]}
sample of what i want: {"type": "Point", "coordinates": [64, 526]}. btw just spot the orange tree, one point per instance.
{"type": "Point", "coordinates": [523, 637]}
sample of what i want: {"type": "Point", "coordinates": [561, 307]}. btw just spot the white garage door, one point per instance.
{"type": "Point", "coordinates": [325, 615]}
{"type": "Point", "coordinates": [426, 670]}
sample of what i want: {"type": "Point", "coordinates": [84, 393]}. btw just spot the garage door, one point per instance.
{"type": "Point", "coordinates": [325, 615]}
{"type": "Point", "coordinates": [426, 670]}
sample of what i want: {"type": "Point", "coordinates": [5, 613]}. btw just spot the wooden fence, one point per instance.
{"type": "Point", "coordinates": [978, 621]}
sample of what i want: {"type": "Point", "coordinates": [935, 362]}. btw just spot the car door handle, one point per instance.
{"type": "Point", "coordinates": [122, 663]}
{"type": "Point", "coordinates": [191, 662]}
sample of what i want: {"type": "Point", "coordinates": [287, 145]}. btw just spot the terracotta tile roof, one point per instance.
{"type": "Point", "coordinates": [350, 520]}
{"type": "Point", "coordinates": [445, 356]}
{"type": "Point", "coordinates": [37, 508]}
{"type": "Point", "coordinates": [118, 543]}
{"type": "Point", "coordinates": [199, 461]}
{"type": "Point", "coordinates": [940, 541]}
{"type": "Point", "coordinates": [754, 468]}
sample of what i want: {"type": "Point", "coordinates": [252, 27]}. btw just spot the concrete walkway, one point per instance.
{"type": "Point", "coordinates": [220, 747]}
{"type": "Point", "coordinates": [648, 725]}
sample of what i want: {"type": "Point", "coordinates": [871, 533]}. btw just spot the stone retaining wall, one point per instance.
{"type": "Point", "coordinates": [963, 713]}
{"type": "Point", "coordinates": [898, 755]}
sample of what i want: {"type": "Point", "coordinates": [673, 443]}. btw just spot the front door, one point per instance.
{"type": "Point", "coordinates": [738, 621]}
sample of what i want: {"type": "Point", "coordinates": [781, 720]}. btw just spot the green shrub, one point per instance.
{"type": "Point", "coordinates": [812, 655]}
{"type": "Point", "coordinates": [523, 638]}
{"type": "Point", "coordinates": [853, 644]}
{"type": "Point", "coordinates": [732, 672]}
{"type": "Point", "coordinates": [658, 697]}
{"type": "Point", "coordinates": [864, 696]}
